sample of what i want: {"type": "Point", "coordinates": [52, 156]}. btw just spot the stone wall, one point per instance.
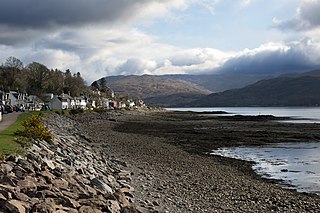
{"type": "Point", "coordinates": [68, 176]}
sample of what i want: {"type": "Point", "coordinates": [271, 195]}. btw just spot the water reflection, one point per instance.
{"type": "Point", "coordinates": [296, 164]}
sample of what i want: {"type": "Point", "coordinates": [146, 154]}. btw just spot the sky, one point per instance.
{"type": "Point", "coordinates": [101, 38]}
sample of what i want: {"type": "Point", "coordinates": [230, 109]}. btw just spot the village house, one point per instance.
{"type": "Point", "coordinates": [131, 103]}
{"type": "Point", "coordinates": [80, 102]}
{"type": "Point", "coordinates": [34, 103]}
{"type": "Point", "coordinates": [65, 101]}
{"type": "Point", "coordinates": [13, 98]}
{"type": "Point", "coordinates": [61, 102]}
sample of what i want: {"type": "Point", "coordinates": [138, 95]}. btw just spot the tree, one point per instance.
{"type": "Point", "coordinates": [10, 74]}
{"type": "Point", "coordinates": [103, 85]}
{"type": "Point", "coordinates": [95, 85]}
{"type": "Point", "coordinates": [80, 85]}
{"type": "Point", "coordinates": [37, 78]}
{"type": "Point", "coordinates": [14, 62]}
{"type": "Point", "coordinates": [73, 85]}
{"type": "Point", "coordinates": [56, 82]}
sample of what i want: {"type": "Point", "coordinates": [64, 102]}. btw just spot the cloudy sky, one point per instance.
{"type": "Point", "coordinates": [109, 37]}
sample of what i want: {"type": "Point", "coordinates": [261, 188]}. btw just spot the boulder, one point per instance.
{"type": "Point", "coordinates": [68, 176]}
{"type": "Point", "coordinates": [27, 185]}
{"type": "Point", "coordinates": [48, 176]}
{"type": "Point", "coordinates": [89, 209]}
{"type": "Point", "coordinates": [121, 198]}
{"type": "Point", "coordinates": [49, 164]}
{"type": "Point", "coordinates": [113, 206]}
{"type": "Point", "coordinates": [15, 206]}
{"type": "Point", "coordinates": [101, 185]}
{"type": "Point", "coordinates": [2, 197]}
{"type": "Point", "coordinates": [5, 168]}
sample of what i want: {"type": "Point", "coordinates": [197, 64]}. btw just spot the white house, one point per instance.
{"type": "Point", "coordinates": [13, 98]}
{"type": "Point", "coordinates": [80, 102]}
{"type": "Point", "coordinates": [66, 101]}
{"type": "Point", "coordinates": [131, 104]}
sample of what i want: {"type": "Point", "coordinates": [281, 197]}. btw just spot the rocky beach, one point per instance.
{"type": "Point", "coordinates": [150, 161]}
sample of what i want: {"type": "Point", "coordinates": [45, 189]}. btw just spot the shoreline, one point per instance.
{"type": "Point", "coordinates": [165, 150]}
{"type": "Point", "coordinates": [149, 161]}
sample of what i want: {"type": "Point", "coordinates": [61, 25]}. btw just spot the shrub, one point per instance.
{"type": "Point", "coordinates": [23, 141]}
{"type": "Point", "coordinates": [33, 128]}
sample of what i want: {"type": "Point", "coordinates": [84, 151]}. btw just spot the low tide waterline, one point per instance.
{"type": "Point", "coordinates": [304, 114]}
{"type": "Point", "coordinates": [297, 164]}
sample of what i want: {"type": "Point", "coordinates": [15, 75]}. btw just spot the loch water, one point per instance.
{"type": "Point", "coordinates": [303, 114]}
{"type": "Point", "coordinates": [297, 164]}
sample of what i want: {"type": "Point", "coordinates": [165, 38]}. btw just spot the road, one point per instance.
{"type": "Point", "coordinates": [8, 119]}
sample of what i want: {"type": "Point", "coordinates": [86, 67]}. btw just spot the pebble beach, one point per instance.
{"type": "Point", "coordinates": [150, 161]}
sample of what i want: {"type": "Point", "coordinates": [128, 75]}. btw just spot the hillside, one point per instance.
{"type": "Point", "coordinates": [220, 82]}
{"type": "Point", "coordinates": [290, 90]}
{"type": "Point", "coordinates": [155, 90]}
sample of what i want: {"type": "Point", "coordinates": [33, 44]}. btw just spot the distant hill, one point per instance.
{"type": "Point", "coordinates": [220, 82]}
{"type": "Point", "coordinates": [168, 90]}
{"type": "Point", "coordinates": [156, 90]}
{"type": "Point", "coordinates": [301, 89]}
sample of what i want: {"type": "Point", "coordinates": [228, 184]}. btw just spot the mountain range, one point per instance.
{"type": "Point", "coordinates": [287, 90]}
{"type": "Point", "coordinates": [155, 90]}
{"type": "Point", "coordinates": [297, 89]}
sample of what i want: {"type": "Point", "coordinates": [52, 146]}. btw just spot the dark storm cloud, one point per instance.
{"type": "Point", "coordinates": [308, 17]}
{"type": "Point", "coordinates": [279, 61]}
{"type": "Point", "coordinates": [43, 14]}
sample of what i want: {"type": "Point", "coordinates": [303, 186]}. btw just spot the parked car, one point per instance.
{"type": "Point", "coordinates": [18, 108]}
{"type": "Point", "coordinates": [45, 107]}
{"type": "Point", "coordinates": [8, 108]}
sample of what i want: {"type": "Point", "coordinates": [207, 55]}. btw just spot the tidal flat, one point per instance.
{"type": "Point", "coordinates": [172, 171]}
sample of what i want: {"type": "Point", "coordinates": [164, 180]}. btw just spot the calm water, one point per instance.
{"type": "Point", "coordinates": [298, 164]}
{"type": "Point", "coordinates": [308, 114]}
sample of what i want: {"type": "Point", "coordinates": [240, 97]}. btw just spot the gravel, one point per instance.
{"type": "Point", "coordinates": [171, 172]}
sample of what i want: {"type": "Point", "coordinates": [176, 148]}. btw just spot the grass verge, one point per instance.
{"type": "Point", "coordinates": [7, 144]}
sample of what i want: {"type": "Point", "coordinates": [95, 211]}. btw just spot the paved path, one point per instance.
{"type": "Point", "coordinates": [8, 119]}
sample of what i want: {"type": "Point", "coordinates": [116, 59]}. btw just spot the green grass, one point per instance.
{"type": "Point", "coordinates": [7, 144]}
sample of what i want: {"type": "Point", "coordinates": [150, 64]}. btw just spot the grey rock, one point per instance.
{"type": "Point", "coordinates": [49, 164]}
{"type": "Point", "coordinates": [113, 206]}
{"type": "Point", "coordinates": [101, 185]}
{"type": "Point", "coordinates": [15, 206]}
{"type": "Point", "coordinates": [89, 209]}
{"type": "Point", "coordinates": [5, 168]}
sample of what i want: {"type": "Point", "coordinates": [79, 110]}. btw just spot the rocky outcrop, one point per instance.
{"type": "Point", "coordinates": [67, 176]}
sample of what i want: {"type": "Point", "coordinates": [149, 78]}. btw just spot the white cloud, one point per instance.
{"type": "Point", "coordinates": [97, 52]}
{"type": "Point", "coordinates": [307, 17]}
{"type": "Point", "coordinates": [99, 49]}
{"type": "Point", "coordinates": [276, 58]}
